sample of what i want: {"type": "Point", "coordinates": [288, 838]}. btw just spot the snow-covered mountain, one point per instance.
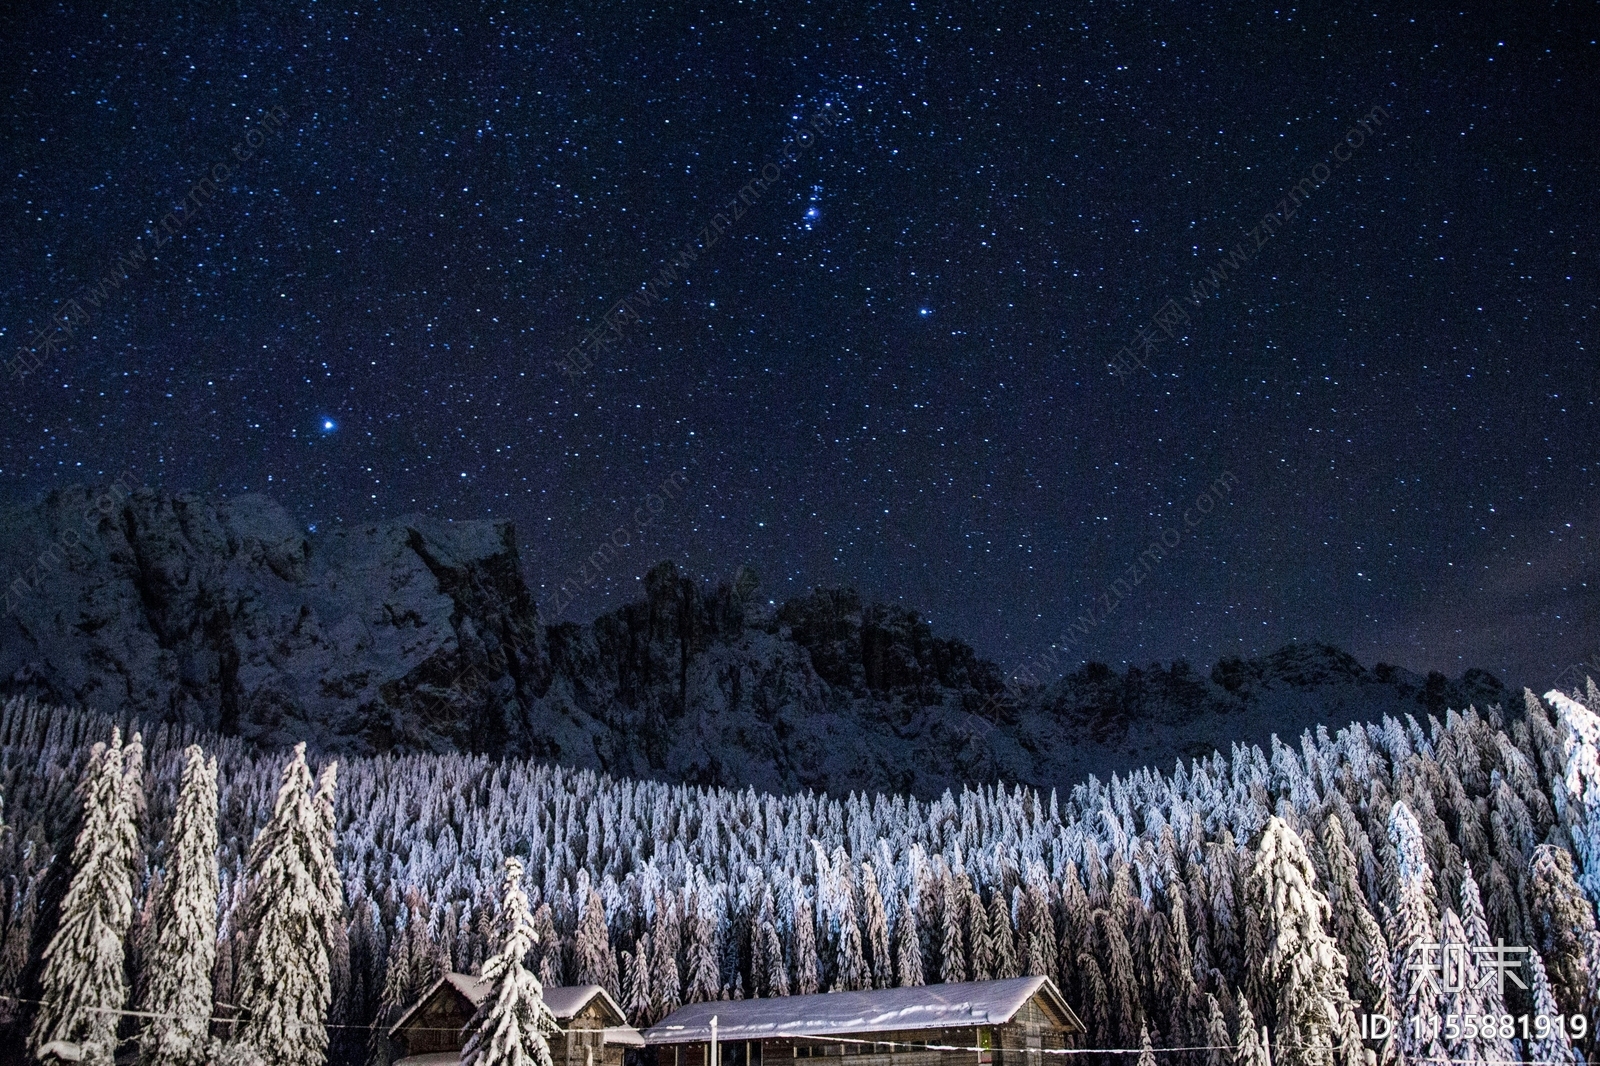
{"type": "Point", "coordinates": [422, 635]}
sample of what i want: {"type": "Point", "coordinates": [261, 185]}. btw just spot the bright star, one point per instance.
{"type": "Point", "coordinates": [329, 425]}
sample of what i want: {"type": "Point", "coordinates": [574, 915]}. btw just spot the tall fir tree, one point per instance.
{"type": "Point", "coordinates": [1552, 1047]}
{"type": "Point", "coordinates": [510, 1026]}
{"type": "Point", "coordinates": [666, 980]}
{"type": "Point", "coordinates": [1490, 999]}
{"type": "Point", "coordinates": [284, 984]}
{"type": "Point", "coordinates": [907, 947]}
{"type": "Point", "coordinates": [1413, 937]}
{"type": "Point", "coordinates": [636, 983]}
{"type": "Point", "coordinates": [952, 954]}
{"type": "Point", "coordinates": [1302, 965]}
{"type": "Point", "coordinates": [84, 984]}
{"type": "Point", "coordinates": [803, 949]}
{"type": "Point", "coordinates": [178, 992]}
{"type": "Point", "coordinates": [704, 980]}
{"type": "Point", "coordinates": [1250, 1047]}
{"type": "Point", "coordinates": [1564, 928]}
{"type": "Point", "coordinates": [879, 957]}
{"type": "Point", "coordinates": [1577, 796]}
{"type": "Point", "coordinates": [1217, 1042]}
{"type": "Point", "coordinates": [1147, 1053]}
{"type": "Point", "coordinates": [593, 959]}
{"type": "Point", "coordinates": [549, 947]}
{"type": "Point", "coordinates": [769, 973]}
{"type": "Point", "coordinates": [1003, 946]}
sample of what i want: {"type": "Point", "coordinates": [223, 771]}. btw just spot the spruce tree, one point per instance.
{"type": "Point", "coordinates": [1147, 1053]}
{"type": "Point", "coordinates": [636, 983]}
{"type": "Point", "coordinates": [907, 947]}
{"type": "Point", "coordinates": [593, 959]}
{"type": "Point", "coordinates": [1413, 937]}
{"type": "Point", "coordinates": [1095, 1000]}
{"type": "Point", "coordinates": [509, 1027]}
{"type": "Point", "coordinates": [704, 978]}
{"type": "Point", "coordinates": [284, 984]}
{"type": "Point", "coordinates": [1303, 966]}
{"type": "Point", "coordinates": [952, 956]}
{"type": "Point", "coordinates": [549, 948]}
{"type": "Point", "coordinates": [178, 989]}
{"type": "Point", "coordinates": [1003, 946]}
{"type": "Point", "coordinates": [1564, 927]}
{"type": "Point", "coordinates": [1577, 796]}
{"type": "Point", "coordinates": [1251, 1047]}
{"type": "Point", "coordinates": [1475, 928]}
{"type": "Point", "coordinates": [877, 931]}
{"type": "Point", "coordinates": [84, 985]}
{"type": "Point", "coordinates": [666, 981]}
{"type": "Point", "coordinates": [850, 966]}
{"type": "Point", "coordinates": [1553, 1047]}
{"type": "Point", "coordinates": [769, 975]}
{"type": "Point", "coordinates": [806, 978]}
{"type": "Point", "coordinates": [1217, 1042]}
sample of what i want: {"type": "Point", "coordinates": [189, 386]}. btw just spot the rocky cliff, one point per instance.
{"type": "Point", "coordinates": [422, 635]}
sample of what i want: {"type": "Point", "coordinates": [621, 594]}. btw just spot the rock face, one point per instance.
{"type": "Point", "coordinates": [422, 635]}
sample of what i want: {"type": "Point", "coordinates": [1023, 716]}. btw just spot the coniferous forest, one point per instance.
{"type": "Point", "coordinates": [1258, 906]}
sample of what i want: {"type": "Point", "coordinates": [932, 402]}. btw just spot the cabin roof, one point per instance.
{"type": "Point", "coordinates": [947, 1006]}
{"type": "Point", "coordinates": [564, 1001]}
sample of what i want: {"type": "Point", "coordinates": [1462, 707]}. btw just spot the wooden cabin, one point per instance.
{"type": "Point", "coordinates": [988, 1023]}
{"type": "Point", "coordinates": [594, 1031]}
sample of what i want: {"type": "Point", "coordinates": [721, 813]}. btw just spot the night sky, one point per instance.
{"type": "Point", "coordinates": [895, 370]}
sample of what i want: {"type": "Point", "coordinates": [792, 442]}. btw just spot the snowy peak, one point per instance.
{"type": "Point", "coordinates": [422, 635]}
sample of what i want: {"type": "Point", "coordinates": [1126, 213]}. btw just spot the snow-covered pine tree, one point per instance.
{"type": "Point", "coordinates": [284, 982]}
{"type": "Point", "coordinates": [1147, 1053]}
{"type": "Point", "coordinates": [769, 974]}
{"type": "Point", "coordinates": [1003, 946]}
{"type": "Point", "coordinates": [907, 947]}
{"type": "Point", "coordinates": [83, 982]}
{"type": "Point", "coordinates": [1036, 941]}
{"type": "Point", "coordinates": [177, 990]}
{"type": "Point", "coordinates": [1552, 1047]}
{"type": "Point", "coordinates": [1413, 937]}
{"type": "Point", "coordinates": [509, 1027]}
{"type": "Point", "coordinates": [704, 980]}
{"type": "Point", "coordinates": [804, 948]}
{"type": "Point", "coordinates": [1461, 997]}
{"type": "Point", "coordinates": [1095, 1001]}
{"type": "Point", "coordinates": [593, 959]}
{"type": "Point", "coordinates": [1578, 802]}
{"type": "Point", "coordinates": [879, 957]}
{"type": "Point", "coordinates": [636, 983]}
{"type": "Point", "coordinates": [979, 939]}
{"type": "Point", "coordinates": [952, 955]}
{"type": "Point", "coordinates": [549, 947]}
{"type": "Point", "coordinates": [666, 980]}
{"type": "Point", "coordinates": [330, 891]}
{"type": "Point", "coordinates": [1564, 927]}
{"type": "Point", "coordinates": [1217, 1041]}
{"type": "Point", "coordinates": [850, 972]}
{"type": "Point", "coordinates": [1475, 928]}
{"type": "Point", "coordinates": [1352, 924]}
{"type": "Point", "coordinates": [1302, 965]}
{"type": "Point", "coordinates": [1122, 986]}
{"type": "Point", "coordinates": [1250, 1048]}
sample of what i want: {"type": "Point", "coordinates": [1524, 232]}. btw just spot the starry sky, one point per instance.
{"type": "Point", "coordinates": [897, 369]}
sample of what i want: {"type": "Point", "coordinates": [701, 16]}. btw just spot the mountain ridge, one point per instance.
{"type": "Point", "coordinates": [420, 634]}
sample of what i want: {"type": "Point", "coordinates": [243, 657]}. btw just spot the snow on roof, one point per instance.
{"type": "Point", "coordinates": [564, 1001]}
{"type": "Point", "coordinates": [847, 1013]}
{"type": "Point", "coordinates": [625, 1035]}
